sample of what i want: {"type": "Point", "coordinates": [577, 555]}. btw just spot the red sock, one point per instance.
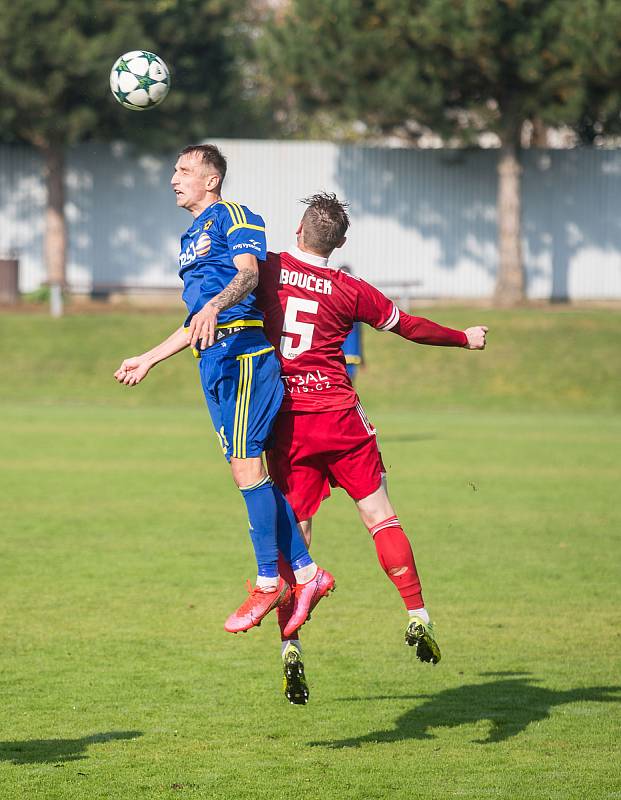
{"type": "Point", "coordinates": [284, 612]}
{"type": "Point", "coordinates": [397, 560]}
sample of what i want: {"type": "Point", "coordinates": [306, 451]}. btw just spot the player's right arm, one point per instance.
{"type": "Point", "coordinates": [203, 324]}
{"type": "Point", "coordinates": [134, 369]}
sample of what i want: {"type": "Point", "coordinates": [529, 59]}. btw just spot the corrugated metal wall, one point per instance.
{"type": "Point", "coordinates": [425, 218]}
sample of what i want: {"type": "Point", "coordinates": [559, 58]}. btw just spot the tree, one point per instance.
{"type": "Point", "coordinates": [458, 68]}
{"type": "Point", "coordinates": [597, 43]}
{"type": "Point", "coordinates": [54, 93]}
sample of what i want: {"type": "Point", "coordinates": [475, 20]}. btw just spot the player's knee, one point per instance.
{"type": "Point", "coordinates": [375, 508]}
{"type": "Point", "coordinates": [247, 471]}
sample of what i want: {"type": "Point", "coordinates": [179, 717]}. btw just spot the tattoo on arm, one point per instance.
{"type": "Point", "coordinates": [239, 288]}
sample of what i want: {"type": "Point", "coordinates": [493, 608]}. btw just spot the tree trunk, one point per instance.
{"type": "Point", "coordinates": [55, 245]}
{"type": "Point", "coordinates": [539, 136]}
{"type": "Point", "coordinates": [510, 283]}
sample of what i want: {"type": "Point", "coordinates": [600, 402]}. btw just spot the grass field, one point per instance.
{"type": "Point", "coordinates": [124, 548]}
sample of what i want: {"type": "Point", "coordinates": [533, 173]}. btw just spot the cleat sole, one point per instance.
{"type": "Point", "coordinates": [295, 686]}
{"type": "Point", "coordinates": [427, 649]}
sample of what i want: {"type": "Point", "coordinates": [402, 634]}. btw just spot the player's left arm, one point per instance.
{"type": "Point", "coordinates": [425, 331]}
{"type": "Point", "coordinates": [203, 323]}
{"type": "Point", "coordinates": [374, 308]}
{"type": "Point", "coordinates": [476, 337]}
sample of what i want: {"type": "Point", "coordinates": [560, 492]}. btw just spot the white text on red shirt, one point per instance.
{"type": "Point", "coordinates": [310, 382]}
{"type": "Point", "coordinates": [289, 277]}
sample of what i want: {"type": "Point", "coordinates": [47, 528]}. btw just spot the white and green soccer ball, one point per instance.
{"type": "Point", "coordinates": [139, 80]}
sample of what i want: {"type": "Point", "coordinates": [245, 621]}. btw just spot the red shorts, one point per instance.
{"type": "Point", "coordinates": [315, 450]}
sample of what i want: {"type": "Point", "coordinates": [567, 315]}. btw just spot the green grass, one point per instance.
{"type": "Point", "coordinates": [560, 360]}
{"type": "Point", "coordinates": [124, 548]}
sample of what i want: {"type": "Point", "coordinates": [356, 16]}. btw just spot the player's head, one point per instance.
{"type": "Point", "coordinates": [198, 176]}
{"type": "Point", "coordinates": [323, 225]}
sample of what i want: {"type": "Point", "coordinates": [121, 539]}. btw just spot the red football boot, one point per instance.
{"type": "Point", "coordinates": [258, 604]}
{"type": "Point", "coordinates": [285, 609]}
{"type": "Point", "coordinates": [307, 595]}
{"type": "Point", "coordinates": [284, 613]}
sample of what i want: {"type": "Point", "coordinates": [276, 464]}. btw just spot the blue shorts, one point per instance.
{"type": "Point", "coordinates": [241, 381]}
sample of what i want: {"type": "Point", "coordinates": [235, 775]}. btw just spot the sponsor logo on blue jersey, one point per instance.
{"type": "Point", "coordinates": [252, 243]}
{"type": "Point", "coordinates": [203, 244]}
{"type": "Point", "coordinates": [188, 255]}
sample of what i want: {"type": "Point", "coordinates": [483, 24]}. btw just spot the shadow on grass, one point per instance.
{"type": "Point", "coordinates": [509, 704]}
{"type": "Point", "coordinates": [52, 751]}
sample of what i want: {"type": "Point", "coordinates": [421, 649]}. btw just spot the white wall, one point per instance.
{"type": "Point", "coordinates": [427, 217]}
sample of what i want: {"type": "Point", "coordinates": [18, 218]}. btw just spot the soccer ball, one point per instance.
{"type": "Point", "coordinates": [139, 80]}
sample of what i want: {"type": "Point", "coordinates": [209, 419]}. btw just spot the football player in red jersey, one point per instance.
{"type": "Point", "coordinates": [322, 436]}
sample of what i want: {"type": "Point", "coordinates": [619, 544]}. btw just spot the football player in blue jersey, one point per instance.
{"type": "Point", "coordinates": [239, 372]}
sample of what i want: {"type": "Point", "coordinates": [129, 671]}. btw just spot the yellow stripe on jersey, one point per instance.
{"type": "Point", "coordinates": [241, 323]}
{"type": "Point", "coordinates": [258, 353]}
{"type": "Point", "coordinates": [195, 352]}
{"type": "Point", "coordinates": [237, 404]}
{"type": "Point", "coordinates": [240, 211]}
{"type": "Point", "coordinates": [238, 409]}
{"type": "Point", "coordinates": [245, 225]}
{"type": "Point", "coordinates": [237, 323]}
{"type": "Point", "coordinates": [244, 435]}
{"type": "Point", "coordinates": [235, 216]}
{"type": "Point", "coordinates": [243, 389]}
{"type": "Point", "coordinates": [242, 402]}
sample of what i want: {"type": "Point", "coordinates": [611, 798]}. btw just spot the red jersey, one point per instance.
{"type": "Point", "coordinates": [309, 311]}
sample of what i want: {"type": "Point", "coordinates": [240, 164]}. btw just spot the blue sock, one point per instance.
{"type": "Point", "coordinates": [290, 541]}
{"type": "Point", "coordinates": [262, 512]}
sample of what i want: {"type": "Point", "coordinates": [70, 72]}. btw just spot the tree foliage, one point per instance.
{"type": "Point", "coordinates": [57, 56]}
{"type": "Point", "coordinates": [456, 67]}
{"type": "Point", "coordinates": [597, 44]}
{"type": "Point", "coordinates": [54, 84]}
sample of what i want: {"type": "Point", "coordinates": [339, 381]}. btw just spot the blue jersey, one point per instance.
{"type": "Point", "coordinates": [352, 346]}
{"type": "Point", "coordinates": [352, 350]}
{"type": "Point", "coordinates": [224, 229]}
